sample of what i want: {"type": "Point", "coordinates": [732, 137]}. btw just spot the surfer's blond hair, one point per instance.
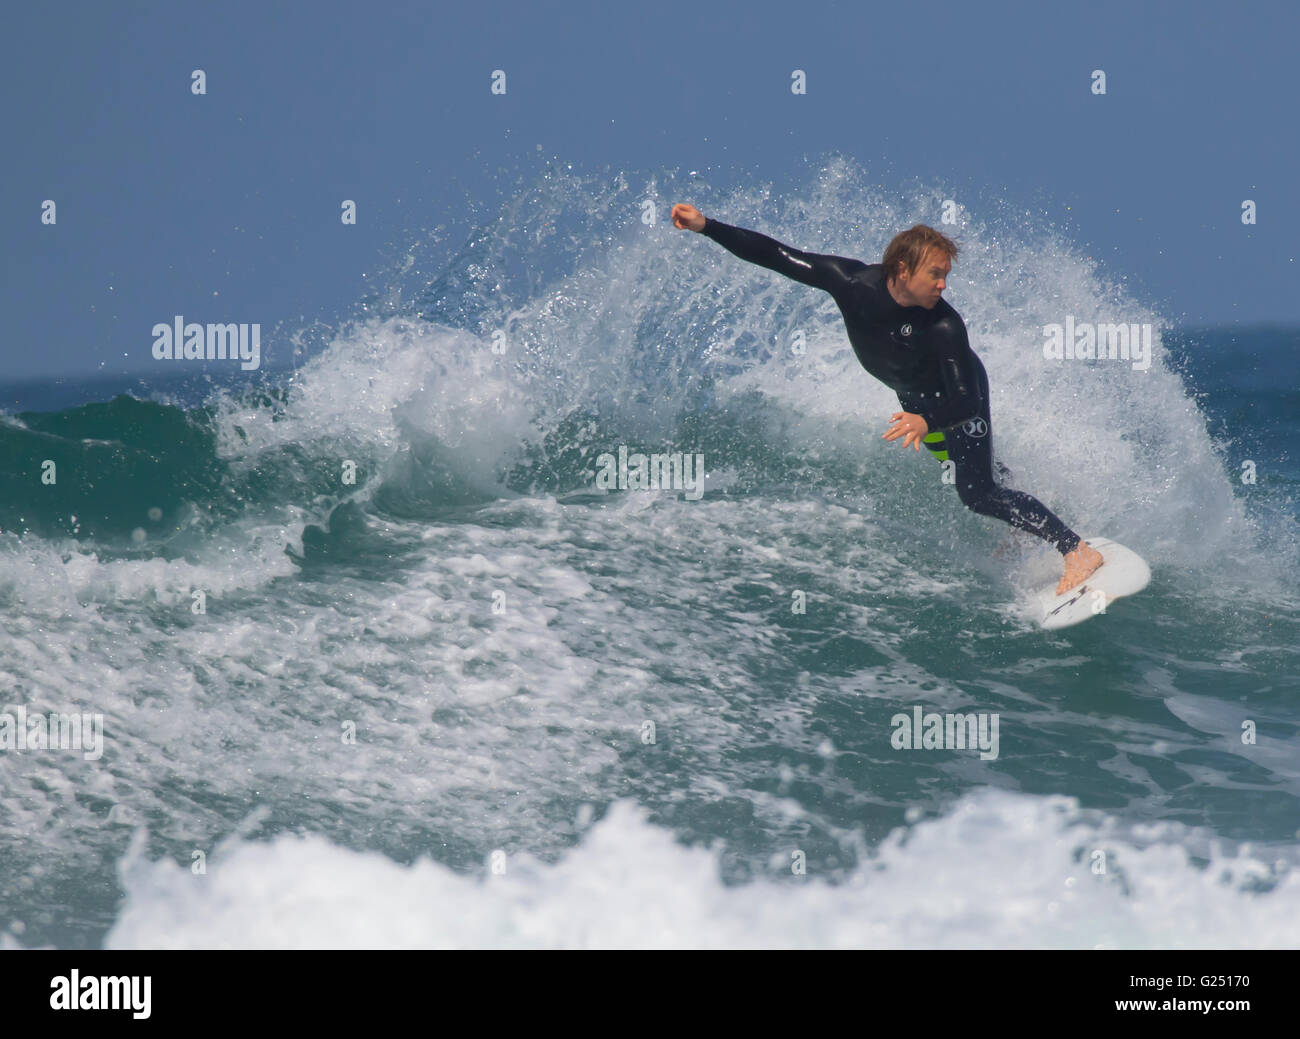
{"type": "Point", "coordinates": [907, 250]}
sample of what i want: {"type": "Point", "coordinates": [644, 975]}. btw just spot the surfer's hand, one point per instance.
{"type": "Point", "coordinates": [908, 426]}
{"type": "Point", "coordinates": [687, 218]}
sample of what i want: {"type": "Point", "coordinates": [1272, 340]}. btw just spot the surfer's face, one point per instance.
{"type": "Point", "coordinates": [924, 285]}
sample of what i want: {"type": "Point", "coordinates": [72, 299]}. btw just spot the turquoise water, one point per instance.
{"type": "Point", "coordinates": [500, 635]}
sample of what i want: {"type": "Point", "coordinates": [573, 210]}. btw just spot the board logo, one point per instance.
{"type": "Point", "coordinates": [976, 427]}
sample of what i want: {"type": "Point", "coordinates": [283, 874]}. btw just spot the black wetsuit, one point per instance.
{"type": "Point", "coordinates": [922, 355]}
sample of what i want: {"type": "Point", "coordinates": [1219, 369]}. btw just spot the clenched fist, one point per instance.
{"type": "Point", "coordinates": [687, 218]}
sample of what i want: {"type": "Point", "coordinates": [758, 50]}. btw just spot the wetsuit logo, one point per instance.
{"type": "Point", "coordinates": [976, 427]}
{"type": "Point", "coordinates": [906, 330]}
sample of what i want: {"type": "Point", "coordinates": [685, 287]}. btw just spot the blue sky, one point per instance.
{"type": "Point", "coordinates": [225, 207]}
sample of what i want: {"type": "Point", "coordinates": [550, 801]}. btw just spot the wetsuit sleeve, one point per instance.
{"type": "Point", "coordinates": [822, 271]}
{"type": "Point", "coordinates": [962, 398]}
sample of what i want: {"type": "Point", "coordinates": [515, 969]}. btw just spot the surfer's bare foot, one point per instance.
{"type": "Point", "coordinates": [1079, 564]}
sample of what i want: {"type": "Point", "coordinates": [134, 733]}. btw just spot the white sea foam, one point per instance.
{"type": "Point", "coordinates": [1001, 870]}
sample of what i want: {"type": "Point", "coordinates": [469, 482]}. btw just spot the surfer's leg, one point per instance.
{"type": "Point", "coordinates": [970, 448]}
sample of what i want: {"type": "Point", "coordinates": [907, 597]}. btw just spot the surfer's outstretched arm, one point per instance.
{"type": "Point", "coordinates": [822, 271]}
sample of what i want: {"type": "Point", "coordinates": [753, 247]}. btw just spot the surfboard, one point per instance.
{"type": "Point", "coordinates": [1122, 572]}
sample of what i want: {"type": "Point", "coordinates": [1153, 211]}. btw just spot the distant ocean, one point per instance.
{"type": "Point", "coordinates": [472, 699]}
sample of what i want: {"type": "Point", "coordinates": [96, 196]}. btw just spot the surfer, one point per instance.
{"type": "Point", "coordinates": [911, 339]}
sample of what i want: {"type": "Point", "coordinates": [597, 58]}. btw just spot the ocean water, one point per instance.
{"type": "Point", "coordinates": [471, 698]}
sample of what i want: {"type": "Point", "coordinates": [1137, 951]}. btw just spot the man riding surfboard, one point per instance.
{"type": "Point", "coordinates": [911, 339]}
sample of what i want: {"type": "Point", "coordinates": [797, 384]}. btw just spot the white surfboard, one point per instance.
{"type": "Point", "coordinates": [1122, 572]}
